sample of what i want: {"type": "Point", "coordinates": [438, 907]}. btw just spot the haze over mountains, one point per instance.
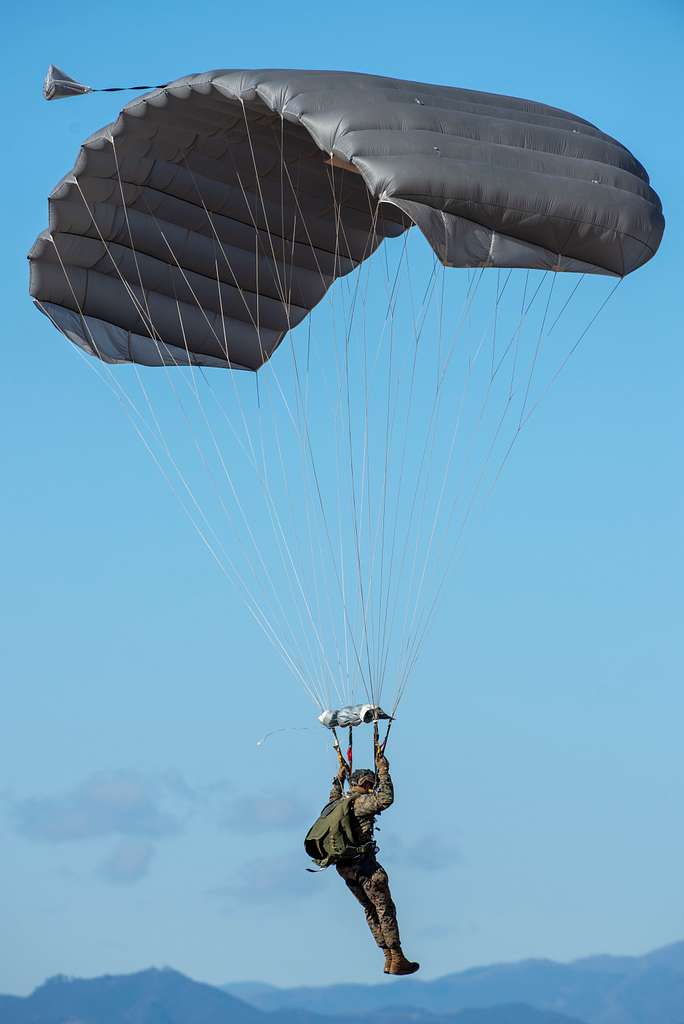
{"type": "Point", "coordinates": [596, 990]}
{"type": "Point", "coordinates": [167, 997]}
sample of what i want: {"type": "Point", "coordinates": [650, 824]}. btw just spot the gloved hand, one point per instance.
{"type": "Point", "coordinates": [381, 762]}
{"type": "Point", "coordinates": [342, 772]}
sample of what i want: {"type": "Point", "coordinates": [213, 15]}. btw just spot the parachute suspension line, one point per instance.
{"type": "Point", "coordinates": [319, 699]}
{"type": "Point", "coordinates": [418, 588]}
{"type": "Point", "coordinates": [423, 485]}
{"type": "Point", "coordinates": [478, 482]}
{"type": "Point", "coordinates": [338, 570]}
{"type": "Point", "coordinates": [447, 468]}
{"type": "Point", "coordinates": [573, 349]}
{"type": "Point", "coordinates": [568, 301]}
{"type": "Point", "coordinates": [283, 548]}
{"type": "Point", "coordinates": [272, 505]}
{"type": "Point", "coordinates": [472, 361]}
{"type": "Point", "coordinates": [302, 406]}
{"type": "Point", "coordinates": [318, 568]}
{"type": "Point", "coordinates": [341, 571]}
{"type": "Point", "coordinates": [366, 493]}
{"type": "Point", "coordinates": [225, 564]}
{"type": "Point", "coordinates": [391, 615]}
{"type": "Point", "coordinates": [342, 517]}
{"type": "Point", "coordinates": [385, 479]}
{"type": "Point", "coordinates": [355, 513]}
{"type": "Point", "coordinates": [352, 473]}
{"type": "Point", "coordinates": [374, 591]}
{"type": "Point", "coordinates": [234, 491]}
{"type": "Point", "coordinates": [415, 525]}
{"type": "Point", "coordinates": [390, 415]}
{"type": "Point", "coordinates": [448, 562]}
{"type": "Point", "coordinates": [342, 388]}
{"type": "Point", "coordinates": [537, 349]}
{"type": "Point", "coordinates": [192, 377]}
{"type": "Point", "coordinates": [389, 435]}
{"type": "Point", "coordinates": [373, 535]}
{"type": "Point", "coordinates": [409, 660]}
{"type": "Point", "coordinates": [384, 648]}
{"type": "Point", "coordinates": [379, 538]}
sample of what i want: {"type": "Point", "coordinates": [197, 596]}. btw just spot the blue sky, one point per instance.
{"type": "Point", "coordinates": [537, 759]}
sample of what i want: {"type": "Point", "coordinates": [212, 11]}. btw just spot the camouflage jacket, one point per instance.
{"type": "Point", "coordinates": [367, 806]}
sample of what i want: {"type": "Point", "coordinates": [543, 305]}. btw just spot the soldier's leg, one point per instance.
{"type": "Point", "coordinates": [351, 875]}
{"type": "Point", "coordinates": [377, 890]}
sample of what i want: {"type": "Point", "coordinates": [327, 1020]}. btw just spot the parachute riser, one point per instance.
{"type": "Point", "coordinates": [359, 714]}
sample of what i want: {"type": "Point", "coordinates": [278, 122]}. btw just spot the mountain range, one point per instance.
{"type": "Point", "coordinates": [167, 997]}
{"type": "Point", "coordinates": [596, 990]}
{"type": "Point", "coordinates": [647, 989]}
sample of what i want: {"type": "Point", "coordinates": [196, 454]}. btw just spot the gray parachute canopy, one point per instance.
{"type": "Point", "coordinates": [215, 213]}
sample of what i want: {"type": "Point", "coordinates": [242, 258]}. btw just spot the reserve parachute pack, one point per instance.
{"type": "Point", "coordinates": [332, 837]}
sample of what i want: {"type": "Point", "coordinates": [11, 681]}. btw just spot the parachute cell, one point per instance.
{"type": "Point", "coordinates": [201, 226]}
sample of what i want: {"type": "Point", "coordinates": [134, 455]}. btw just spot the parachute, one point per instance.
{"type": "Point", "coordinates": [207, 225]}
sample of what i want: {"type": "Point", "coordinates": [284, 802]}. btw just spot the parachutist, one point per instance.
{"type": "Point", "coordinates": [370, 793]}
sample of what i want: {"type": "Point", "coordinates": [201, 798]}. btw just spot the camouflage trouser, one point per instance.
{"type": "Point", "coordinates": [368, 881]}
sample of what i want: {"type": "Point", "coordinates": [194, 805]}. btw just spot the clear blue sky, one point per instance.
{"type": "Point", "coordinates": [140, 822]}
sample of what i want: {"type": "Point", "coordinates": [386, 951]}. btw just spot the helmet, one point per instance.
{"type": "Point", "coordinates": [362, 775]}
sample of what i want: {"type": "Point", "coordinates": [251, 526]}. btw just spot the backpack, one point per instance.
{"type": "Point", "coordinates": [332, 837]}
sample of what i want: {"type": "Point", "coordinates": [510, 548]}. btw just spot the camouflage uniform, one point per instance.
{"type": "Point", "coordinates": [365, 877]}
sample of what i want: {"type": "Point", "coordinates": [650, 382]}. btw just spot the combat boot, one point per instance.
{"type": "Point", "coordinates": [388, 959]}
{"type": "Point", "coordinates": [399, 964]}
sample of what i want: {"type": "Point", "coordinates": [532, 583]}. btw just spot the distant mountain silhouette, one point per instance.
{"type": "Point", "coordinates": [167, 997]}
{"type": "Point", "coordinates": [148, 997]}
{"type": "Point", "coordinates": [599, 990]}
{"type": "Point", "coordinates": [596, 990]}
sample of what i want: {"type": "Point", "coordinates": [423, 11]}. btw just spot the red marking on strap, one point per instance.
{"type": "Point", "coordinates": [349, 757]}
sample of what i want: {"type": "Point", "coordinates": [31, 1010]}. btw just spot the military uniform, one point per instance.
{"type": "Point", "coordinates": [365, 877]}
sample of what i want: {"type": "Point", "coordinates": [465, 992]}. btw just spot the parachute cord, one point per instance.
{"type": "Point", "coordinates": [355, 513]}
{"type": "Point", "coordinates": [350, 752]}
{"type": "Point", "coordinates": [572, 351]}
{"type": "Point", "coordinates": [337, 204]}
{"type": "Point", "coordinates": [409, 661]}
{"type": "Point", "coordinates": [339, 577]}
{"type": "Point", "coordinates": [208, 530]}
{"type": "Point", "coordinates": [226, 567]}
{"type": "Point", "coordinates": [309, 450]}
{"type": "Point", "coordinates": [418, 589]}
{"type": "Point", "coordinates": [451, 558]}
{"type": "Point", "coordinates": [392, 607]}
{"type": "Point", "coordinates": [339, 572]}
{"type": "Point", "coordinates": [154, 335]}
{"type": "Point", "coordinates": [263, 477]}
{"type": "Point", "coordinates": [389, 727]}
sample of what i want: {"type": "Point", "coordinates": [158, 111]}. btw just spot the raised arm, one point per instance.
{"type": "Point", "coordinates": [337, 788]}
